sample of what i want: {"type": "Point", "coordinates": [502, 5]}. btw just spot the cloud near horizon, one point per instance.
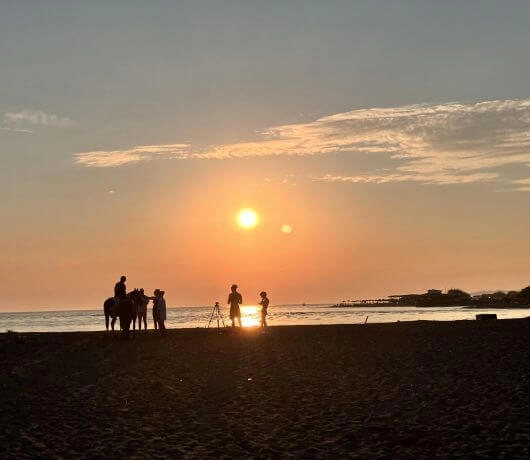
{"type": "Point", "coordinates": [452, 143]}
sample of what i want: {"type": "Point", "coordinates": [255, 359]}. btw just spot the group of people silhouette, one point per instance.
{"type": "Point", "coordinates": [132, 306]}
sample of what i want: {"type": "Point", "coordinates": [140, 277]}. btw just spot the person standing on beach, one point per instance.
{"type": "Point", "coordinates": [142, 309]}
{"type": "Point", "coordinates": [155, 297]}
{"type": "Point", "coordinates": [234, 300]}
{"type": "Point", "coordinates": [264, 302]}
{"type": "Point", "coordinates": [162, 313]}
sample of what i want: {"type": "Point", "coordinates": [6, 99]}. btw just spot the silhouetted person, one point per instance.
{"type": "Point", "coordinates": [234, 300]}
{"type": "Point", "coordinates": [161, 311]}
{"type": "Point", "coordinates": [142, 310]}
{"type": "Point", "coordinates": [120, 290]}
{"type": "Point", "coordinates": [264, 305]}
{"type": "Point", "coordinates": [155, 307]}
{"type": "Point", "coordinates": [120, 296]}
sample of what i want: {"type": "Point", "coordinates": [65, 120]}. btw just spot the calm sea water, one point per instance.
{"type": "Point", "coordinates": [192, 317]}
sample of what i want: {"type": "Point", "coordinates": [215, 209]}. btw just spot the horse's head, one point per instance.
{"type": "Point", "coordinates": [134, 295]}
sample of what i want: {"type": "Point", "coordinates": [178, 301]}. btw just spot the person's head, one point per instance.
{"type": "Point", "coordinates": [141, 290]}
{"type": "Point", "coordinates": [216, 304]}
{"type": "Point", "coordinates": [123, 278]}
{"type": "Point", "coordinates": [162, 293]}
{"type": "Point", "coordinates": [263, 294]}
{"type": "Point", "coordinates": [234, 287]}
{"type": "Point", "coordinates": [156, 292]}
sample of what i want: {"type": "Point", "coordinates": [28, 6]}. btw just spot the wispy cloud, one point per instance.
{"type": "Point", "coordinates": [16, 130]}
{"type": "Point", "coordinates": [522, 181]}
{"type": "Point", "coordinates": [431, 143]}
{"type": "Point", "coordinates": [24, 120]}
{"type": "Point", "coordinates": [113, 158]}
{"type": "Point", "coordinates": [437, 179]}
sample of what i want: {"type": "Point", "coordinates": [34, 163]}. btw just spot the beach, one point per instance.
{"type": "Point", "coordinates": [409, 389]}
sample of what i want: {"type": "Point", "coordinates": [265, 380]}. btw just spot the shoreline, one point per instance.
{"type": "Point", "coordinates": [256, 329]}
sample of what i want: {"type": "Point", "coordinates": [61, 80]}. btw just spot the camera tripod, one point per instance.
{"type": "Point", "coordinates": [216, 316]}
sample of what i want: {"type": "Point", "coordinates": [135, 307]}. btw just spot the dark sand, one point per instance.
{"type": "Point", "coordinates": [423, 389]}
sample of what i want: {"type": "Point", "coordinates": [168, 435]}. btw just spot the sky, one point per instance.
{"type": "Point", "coordinates": [392, 137]}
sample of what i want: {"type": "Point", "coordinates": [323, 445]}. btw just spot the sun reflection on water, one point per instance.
{"type": "Point", "coordinates": [250, 315]}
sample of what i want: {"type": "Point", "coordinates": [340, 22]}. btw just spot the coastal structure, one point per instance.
{"type": "Point", "coordinates": [453, 297]}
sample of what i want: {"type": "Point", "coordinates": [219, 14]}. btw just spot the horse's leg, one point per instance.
{"type": "Point", "coordinates": [107, 321]}
{"type": "Point", "coordinates": [125, 324]}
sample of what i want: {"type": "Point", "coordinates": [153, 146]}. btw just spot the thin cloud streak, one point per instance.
{"type": "Point", "coordinates": [114, 158]}
{"type": "Point", "coordinates": [431, 143]}
{"type": "Point", "coordinates": [29, 117]}
{"type": "Point", "coordinates": [435, 179]}
{"type": "Point", "coordinates": [15, 130]}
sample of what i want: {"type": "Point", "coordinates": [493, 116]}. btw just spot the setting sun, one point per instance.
{"type": "Point", "coordinates": [247, 218]}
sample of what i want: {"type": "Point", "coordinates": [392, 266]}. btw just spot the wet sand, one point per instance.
{"type": "Point", "coordinates": [421, 389]}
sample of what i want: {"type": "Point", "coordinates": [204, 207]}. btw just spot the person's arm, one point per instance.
{"type": "Point", "coordinates": [240, 299]}
{"type": "Point", "coordinates": [228, 301]}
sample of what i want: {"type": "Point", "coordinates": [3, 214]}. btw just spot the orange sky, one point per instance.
{"type": "Point", "coordinates": [347, 241]}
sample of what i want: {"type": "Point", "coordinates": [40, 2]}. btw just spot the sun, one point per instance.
{"type": "Point", "coordinates": [247, 218]}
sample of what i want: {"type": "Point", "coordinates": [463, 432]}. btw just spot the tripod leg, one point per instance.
{"type": "Point", "coordinates": [211, 318]}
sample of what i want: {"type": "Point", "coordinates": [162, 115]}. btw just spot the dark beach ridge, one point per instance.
{"type": "Point", "coordinates": [414, 389]}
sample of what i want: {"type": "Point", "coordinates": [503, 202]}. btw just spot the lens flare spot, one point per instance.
{"type": "Point", "coordinates": [286, 229]}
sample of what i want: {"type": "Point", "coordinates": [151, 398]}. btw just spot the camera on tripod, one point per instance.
{"type": "Point", "coordinates": [216, 316]}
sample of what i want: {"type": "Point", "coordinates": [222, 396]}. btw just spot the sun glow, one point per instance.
{"type": "Point", "coordinates": [247, 218]}
{"type": "Point", "coordinates": [250, 316]}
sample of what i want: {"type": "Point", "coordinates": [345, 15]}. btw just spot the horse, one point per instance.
{"type": "Point", "coordinates": [136, 297]}
{"type": "Point", "coordinates": [126, 309]}
{"type": "Point", "coordinates": [110, 312]}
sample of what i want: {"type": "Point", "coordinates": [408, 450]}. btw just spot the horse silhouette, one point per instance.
{"type": "Point", "coordinates": [125, 309]}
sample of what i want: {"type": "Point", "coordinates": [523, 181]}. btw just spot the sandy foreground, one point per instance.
{"type": "Point", "coordinates": [417, 389]}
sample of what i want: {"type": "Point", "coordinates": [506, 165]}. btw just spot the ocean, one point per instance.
{"type": "Point", "coordinates": [279, 315]}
